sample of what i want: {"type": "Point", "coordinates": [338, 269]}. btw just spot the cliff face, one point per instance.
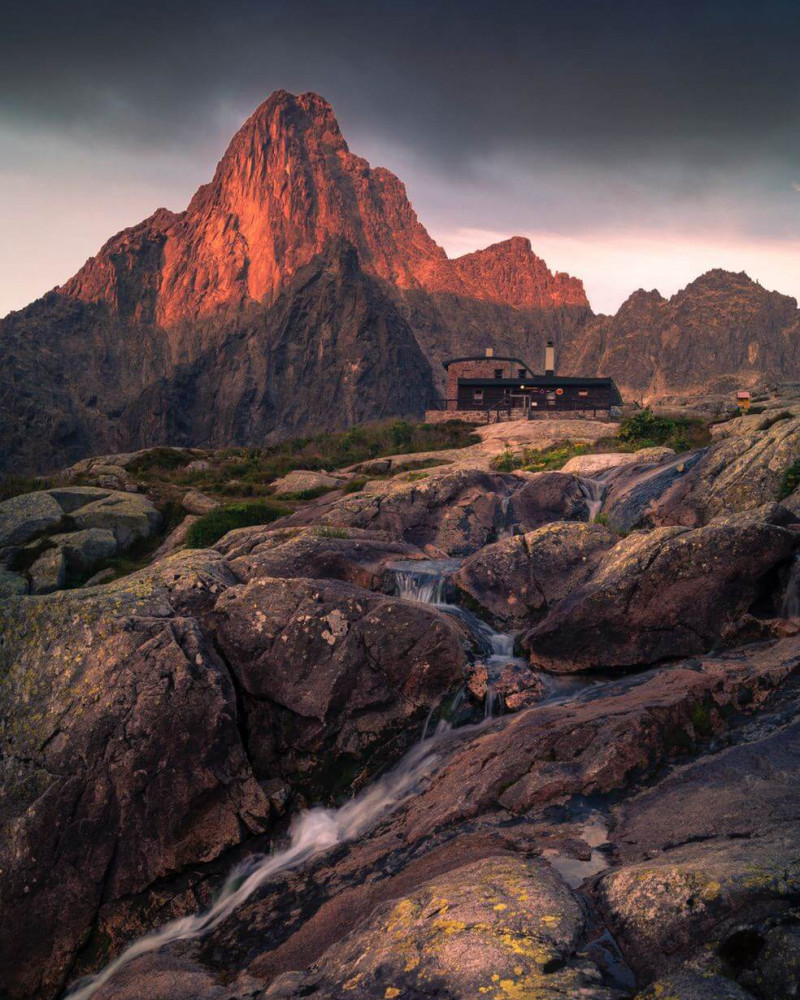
{"type": "Point", "coordinates": [723, 330]}
{"type": "Point", "coordinates": [299, 291]}
{"type": "Point", "coordinates": [286, 184]}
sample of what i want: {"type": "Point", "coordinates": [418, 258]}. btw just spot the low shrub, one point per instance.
{"type": "Point", "coordinates": [212, 526]}
{"type": "Point", "coordinates": [646, 430]}
{"type": "Point", "coordinates": [326, 532]}
{"type": "Point", "coordinates": [355, 485]}
{"type": "Point", "coordinates": [14, 486]}
{"type": "Point", "coordinates": [159, 460]}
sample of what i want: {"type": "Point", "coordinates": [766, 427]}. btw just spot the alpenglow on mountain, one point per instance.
{"type": "Point", "coordinates": [299, 291]}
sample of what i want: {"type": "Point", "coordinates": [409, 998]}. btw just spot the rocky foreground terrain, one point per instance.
{"type": "Point", "coordinates": [299, 290]}
{"type": "Point", "coordinates": [604, 663]}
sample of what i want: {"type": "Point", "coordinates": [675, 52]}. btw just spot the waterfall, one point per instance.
{"type": "Point", "coordinates": [791, 598]}
{"type": "Point", "coordinates": [311, 833]}
{"type": "Point", "coordinates": [594, 491]}
{"type": "Point", "coordinates": [423, 581]}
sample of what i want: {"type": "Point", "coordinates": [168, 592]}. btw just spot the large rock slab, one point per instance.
{"type": "Point", "coordinates": [548, 496]}
{"type": "Point", "coordinates": [456, 512]}
{"type": "Point", "coordinates": [711, 864]}
{"type": "Point", "coordinates": [26, 517]}
{"type": "Point", "coordinates": [83, 550]}
{"type": "Point", "coordinates": [630, 729]}
{"type": "Point", "coordinates": [656, 596]}
{"type": "Point", "coordinates": [333, 676]}
{"type": "Point", "coordinates": [70, 498]}
{"type": "Point", "coordinates": [591, 465]}
{"type": "Point", "coordinates": [303, 480]}
{"type": "Point", "coordinates": [48, 572]}
{"type": "Point", "coordinates": [741, 471]}
{"type": "Point", "coordinates": [500, 927]}
{"type": "Point", "coordinates": [129, 516]}
{"type": "Point", "coordinates": [122, 762]}
{"type": "Point", "coordinates": [350, 554]}
{"type": "Point", "coordinates": [517, 580]}
{"type": "Point", "coordinates": [637, 493]}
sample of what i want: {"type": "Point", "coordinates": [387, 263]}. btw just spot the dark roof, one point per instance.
{"type": "Point", "coordinates": [482, 357]}
{"type": "Point", "coordinates": [546, 381]}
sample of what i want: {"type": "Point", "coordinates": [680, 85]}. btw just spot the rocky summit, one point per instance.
{"type": "Point", "coordinates": [299, 290]}
{"type": "Point", "coordinates": [432, 729]}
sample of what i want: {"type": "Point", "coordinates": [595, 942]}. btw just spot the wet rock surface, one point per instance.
{"type": "Point", "coordinates": [329, 673]}
{"type": "Point", "coordinates": [626, 828]}
{"type": "Point", "coordinates": [518, 579]}
{"type": "Point", "coordinates": [662, 594]}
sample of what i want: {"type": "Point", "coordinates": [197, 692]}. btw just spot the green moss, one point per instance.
{"type": "Point", "coordinates": [212, 526]}
{"type": "Point", "coordinates": [356, 485]}
{"type": "Point", "coordinates": [701, 720]}
{"type": "Point", "coordinates": [790, 480]}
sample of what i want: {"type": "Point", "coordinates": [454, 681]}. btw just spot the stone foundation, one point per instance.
{"type": "Point", "coordinates": [481, 416]}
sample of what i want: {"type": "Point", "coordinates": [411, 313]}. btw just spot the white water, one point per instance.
{"type": "Point", "coordinates": [791, 597]}
{"type": "Point", "coordinates": [311, 833]}
{"type": "Point", "coordinates": [318, 830]}
{"type": "Point", "coordinates": [594, 491]}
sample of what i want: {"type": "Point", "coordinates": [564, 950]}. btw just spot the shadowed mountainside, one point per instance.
{"type": "Point", "coordinates": [299, 291]}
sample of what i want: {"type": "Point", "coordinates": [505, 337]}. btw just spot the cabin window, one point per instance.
{"type": "Point", "coordinates": [477, 395]}
{"type": "Point", "coordinates": [521, 372]}
{"type": "Point", "coordinates": [583, 392]}
{"type": "Point", "coordinates": [551, 399]}
{"type": "Point", "coordinates": [498, 373]}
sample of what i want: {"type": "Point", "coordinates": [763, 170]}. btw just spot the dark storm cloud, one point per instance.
{"type": "Point", "coordinates": [708, 83]}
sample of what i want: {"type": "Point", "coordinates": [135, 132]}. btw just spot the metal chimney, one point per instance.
{"type": "Point", "coordinates": [550, 359]}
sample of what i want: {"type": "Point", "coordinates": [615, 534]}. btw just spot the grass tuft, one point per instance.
{"type": "Point", "coordinates": [212, 526]}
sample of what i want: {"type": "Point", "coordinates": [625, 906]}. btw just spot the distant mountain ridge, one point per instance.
{"type": "Point", "coordinates": [299, 291]}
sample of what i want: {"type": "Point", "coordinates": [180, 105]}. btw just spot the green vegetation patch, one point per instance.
{"type": "Point", "coordinates": [159, 460]}
{"type": "Point", "coordinates": [355, 485]}
{"type": "Point", "coordinates": [790, 481]}
{"type": "Point", "coordinates": [326, 532]}
{"type": "Point", "coordinates": [212, 526]}
{"type": "Point", "coordinates": [539, 459]}
{"type": "Point", "coordinates": [646, 430]}
{"type": "Point", "coordinates": [14, 486]}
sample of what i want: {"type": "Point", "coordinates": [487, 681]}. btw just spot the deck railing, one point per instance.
{"type": "Point", "coordinates": [516, 410]}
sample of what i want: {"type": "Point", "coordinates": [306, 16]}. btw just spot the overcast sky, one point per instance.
{"type": "Point", "coordinates": [636, 143]}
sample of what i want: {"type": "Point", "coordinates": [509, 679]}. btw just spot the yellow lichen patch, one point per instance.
{"type": "Point", "coordinates": [501, 906]}
{"type": "Point", "coordinates": [711, 890]}
{"type": "Point", "coordinates": [391, 992]}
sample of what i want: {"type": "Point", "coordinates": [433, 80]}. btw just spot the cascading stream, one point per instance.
{"type": "Point", "coordinates": [425, 581]}
{"type": "Point", "coordinates": [791, 597]}
{"type": "Point", "coordinates": [319, 829]}
{"type": "Point", "coordinates": [594, 492]}
{"type": "Point", "coordinates": [312, 832]}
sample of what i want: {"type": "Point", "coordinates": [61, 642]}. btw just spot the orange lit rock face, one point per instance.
{"type": "Point", "coordinates": [506, 272]}
{"type": "Point", "coordinates": [287, 183]}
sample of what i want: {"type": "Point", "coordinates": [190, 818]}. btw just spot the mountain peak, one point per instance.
{"type": "Point", "coordinates": [286, 184]}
